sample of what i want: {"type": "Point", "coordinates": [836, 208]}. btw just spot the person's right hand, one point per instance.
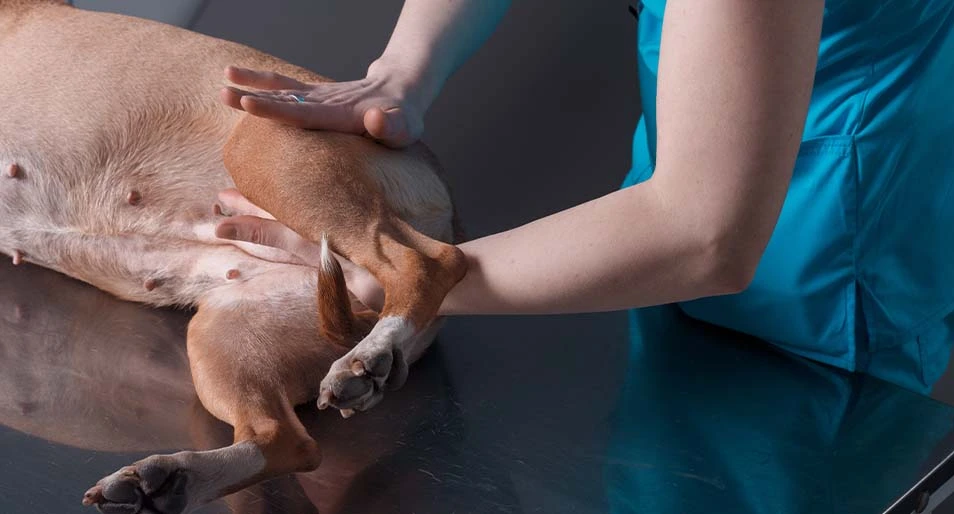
{"type": "Point", "coordinates": [375, 106]}
{"type": "Point", "coordinates": [249, 223]}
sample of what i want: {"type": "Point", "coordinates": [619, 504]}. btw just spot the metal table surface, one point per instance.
{"type": "Point", "coordinates": [522, 415]}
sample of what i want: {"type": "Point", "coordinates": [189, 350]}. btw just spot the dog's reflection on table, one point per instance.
{"type": "Point", "coordinates": [80, 368]}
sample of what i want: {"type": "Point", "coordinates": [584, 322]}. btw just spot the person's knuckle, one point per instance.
{"type": "Point", "coordinates": [256, 234]}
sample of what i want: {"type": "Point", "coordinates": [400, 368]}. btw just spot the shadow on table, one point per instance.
{"type": "Point", "coordinates": [712, 421]}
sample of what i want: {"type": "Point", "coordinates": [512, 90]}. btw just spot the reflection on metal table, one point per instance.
{"type": "Point", "coordinates": [518, 415]}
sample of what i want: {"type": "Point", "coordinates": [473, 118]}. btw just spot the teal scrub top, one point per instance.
{"type": "Point", "coordinates": [859, 272]}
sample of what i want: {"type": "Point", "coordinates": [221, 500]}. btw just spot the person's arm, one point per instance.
{"type": "Point", "coordinates": [431, 40]}
{"type": "Point", "coordinates": [735, 78]}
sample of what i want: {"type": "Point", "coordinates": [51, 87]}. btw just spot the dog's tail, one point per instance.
{"type": "Point", "coordinates": [337, 321]}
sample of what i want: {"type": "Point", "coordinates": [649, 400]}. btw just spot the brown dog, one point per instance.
{"type": "Point", "coordinates": [56, 386]}
{"type": "Point", "coordinates": [111, 140]}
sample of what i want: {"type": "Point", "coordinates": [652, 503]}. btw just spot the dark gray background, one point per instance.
{"type": "Point", "coordinates": [539, 120]}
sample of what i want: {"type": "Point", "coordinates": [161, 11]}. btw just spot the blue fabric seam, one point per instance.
{"type": "Point", "coordinates": [846, 363]}
{"type": "Point", "coordinates": [857, 302]}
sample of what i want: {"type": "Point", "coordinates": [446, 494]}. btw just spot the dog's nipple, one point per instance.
{"type": "Point", "coordinates": [134, 197]}
{"type": "Point", "coordinates": [150, 284]}
{"type": "Point", "coordinates": [13, 170]}
{"type": "Point", "coordinates": [17, 257]}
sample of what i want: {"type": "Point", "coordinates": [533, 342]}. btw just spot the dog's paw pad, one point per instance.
{"type": "Point", "coordinates": [154, 485]}
{"type": "Point", "coordinates": [357, 381]}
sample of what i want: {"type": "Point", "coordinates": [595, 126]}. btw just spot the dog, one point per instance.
{"type": "Point", "coordinates": [113, 148]}
{"type": "Point", "coordinates": [56, 386]}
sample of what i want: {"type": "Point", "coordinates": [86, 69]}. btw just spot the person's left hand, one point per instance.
{"type": "Point", "coordinates": [377, 106]}
{"type": "Point", "coordinates": [251, 224]}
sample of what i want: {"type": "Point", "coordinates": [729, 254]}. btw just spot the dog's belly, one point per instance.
{"type": "Point", "coordinates": [116, 129]}
{"type": "Point", "coordinates": [141, 230]}
{"type": "Point", "coordinates": [114, 170]}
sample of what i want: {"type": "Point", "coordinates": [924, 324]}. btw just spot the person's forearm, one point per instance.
{"type": "Point", "coordinates": [432, 39]}
{"type": "Point", "coordinates": [735, 79]}
{"type": "Point", "coordinates": [627, 249]}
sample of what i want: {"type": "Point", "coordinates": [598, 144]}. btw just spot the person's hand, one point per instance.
{"type": "Point", "coordinates": [376, 106]}
{"type": "Point", "coordinates": [250, 224]}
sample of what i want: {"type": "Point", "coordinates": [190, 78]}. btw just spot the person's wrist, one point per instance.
{"type": "Point", "coordinates": [413, 86]}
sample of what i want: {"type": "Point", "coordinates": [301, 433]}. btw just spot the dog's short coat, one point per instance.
{"type": "Point", "coordinates": [112, 141]}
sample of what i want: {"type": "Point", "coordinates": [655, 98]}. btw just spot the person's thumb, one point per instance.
{"type": "Point", "coordinates": [393, 127]}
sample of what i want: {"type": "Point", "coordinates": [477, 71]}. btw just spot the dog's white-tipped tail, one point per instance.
{"type": "Point", "coordinates": [328, 260]}
{"type": "Point", "coordinates": [335, 317]}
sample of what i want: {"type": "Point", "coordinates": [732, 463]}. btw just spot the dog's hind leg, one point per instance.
{"type": "Point", "coordinates": [415, 284]}
{"type": "Point", "coordinates": [248, 360]}
{"type": "Point", "coordinates": [267, 444]}
{"type": "Point", "coordinates": [350, 189]}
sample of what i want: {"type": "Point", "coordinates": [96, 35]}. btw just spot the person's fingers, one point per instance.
{"type": "Point", "coordinates": [264, 232]}
{"type": "Point", "coordinates": [363, 284]}
{"type": "Point", "coordinates": [232, 97]}
{"type": "Point", "coordinates": [235, 203]}
{"type": "Point", "coordinates": [261, 79]}
{"type": "Point", "coordinates": [391, 127]}
{"type": "Point", "coordinates": [310, 115]}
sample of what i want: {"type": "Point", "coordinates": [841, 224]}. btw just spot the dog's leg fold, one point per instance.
{"type": "Point", "coordinates": [266, 445]}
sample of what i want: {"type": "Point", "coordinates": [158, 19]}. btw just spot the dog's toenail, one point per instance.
{"type": "Point", "coordinates": [150, 284]}
{"type": "Point", "coordinates": [94, 495]}
{"type": "Point", "coordinates": [217, 210]}
{"type": "Point", "coordinates": [134, 197]}
{"type": "Point", "coordinates": [357, 367]}
{"type": "Point", "coordinates": [13, 170]}
{"type": "Point", "coordinates": [324, 400]}
{"type": "Point", "coordinates": [17, 257]}
{"type": "Point", "coordinates": [347, 413]}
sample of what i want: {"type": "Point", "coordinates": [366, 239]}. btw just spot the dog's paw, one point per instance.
{"type": "Point", "coordinates": [357, 381]}
{"type": "Point", "coordinates": [156, 485]}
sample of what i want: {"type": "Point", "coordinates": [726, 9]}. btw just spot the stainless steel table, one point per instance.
{"type": "Point", "coordinates": [584, 414]}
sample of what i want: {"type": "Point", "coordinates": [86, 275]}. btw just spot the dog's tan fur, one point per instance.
{"type": "Point", "coordinates": [56, 384]}
{"type": "Point", "coordinates": [113, 137]}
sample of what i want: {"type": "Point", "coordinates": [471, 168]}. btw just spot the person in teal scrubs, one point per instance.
{"type": "Point", "coordinates": [792, 176]}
